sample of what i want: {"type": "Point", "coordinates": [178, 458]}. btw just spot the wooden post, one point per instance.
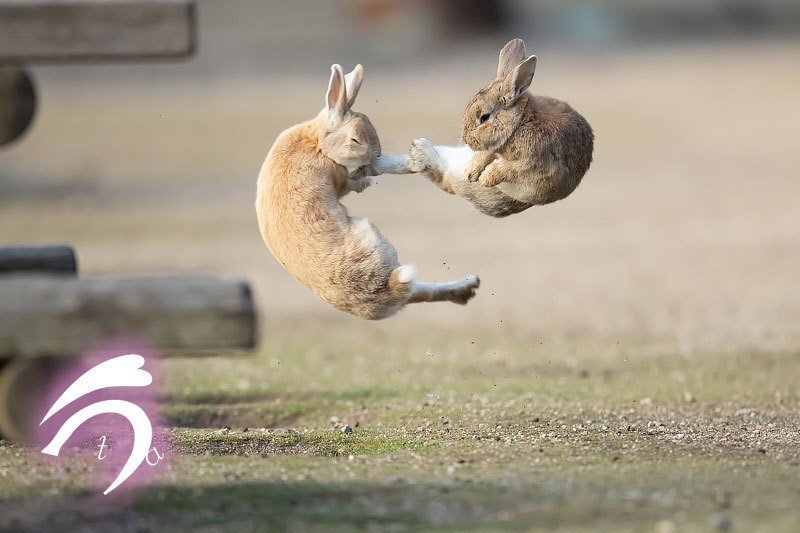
{"type": "Point", "coordinates": [23, 384]}
{"type": "Point", "coordinates": [17, 102]}
{"type": "Point", "coordinates": [38, 260]}
{"type": "Point", "coordinates": [43, 316]}
{"type": "Point", "coordinates": [65, 30]}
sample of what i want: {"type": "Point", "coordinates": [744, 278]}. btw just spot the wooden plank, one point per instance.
{"type": "Point", "coordinates": [33, 260]}
{"type": "Point", "coordinates": [62, 317]}
{"type": "Point", "coordinates": [51, 30]}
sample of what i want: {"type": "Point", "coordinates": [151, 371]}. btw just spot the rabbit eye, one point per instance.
{"type": "Point", "coordinates": [355, 140]}
{"type": "Point", "coordinates": [484, 117]}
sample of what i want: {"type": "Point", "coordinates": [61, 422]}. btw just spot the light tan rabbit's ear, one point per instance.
{"type": "Point", "coordinates": [336, 99]}
{"type": "Point", "coordinates": [512, 54]}
{"type": "Point", "coordinates": [353, 82]}
{"type": "Point", "coordinates": [518, 80]}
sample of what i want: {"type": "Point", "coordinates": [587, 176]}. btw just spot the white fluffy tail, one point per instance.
{"type": "Point", "coordinates": [406, 273]}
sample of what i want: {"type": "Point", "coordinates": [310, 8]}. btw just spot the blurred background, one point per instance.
{"type": "Point", "coordinates": [686, 228]}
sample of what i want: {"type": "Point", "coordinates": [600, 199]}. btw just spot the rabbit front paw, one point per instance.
{"type": "Point", "coordinates": [490, 179]}
{"type": "Point", "coordinates": [478, 164]}
{"type": "Point", "coordinates": [359, 185]}
{"type": "Point", "coordinates": [474, 172]}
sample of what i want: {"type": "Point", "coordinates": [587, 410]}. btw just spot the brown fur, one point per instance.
{"type": "Point", "coordinates": [528, 150]}
{"type": "Point", "coordinates": [539, 147]}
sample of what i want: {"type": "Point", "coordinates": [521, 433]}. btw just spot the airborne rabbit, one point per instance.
{"type": "Point", "coordinates": [521, 150]}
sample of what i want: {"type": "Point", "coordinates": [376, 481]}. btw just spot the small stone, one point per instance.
{"type": "Point", "coordinates": [347, 429]}
{"type": "Point", "coordinates": [720, 521]}
{"type": "Point", "coordinates": [231, 476]}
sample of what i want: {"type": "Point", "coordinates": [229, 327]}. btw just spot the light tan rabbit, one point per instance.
{"type": "Point", "coordinates": [521, 150]}
{"type": "Point", "coordinates": [344, 260]}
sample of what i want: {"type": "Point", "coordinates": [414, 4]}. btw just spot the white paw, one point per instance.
{"type": "Point", "coordinates": [423, 156]}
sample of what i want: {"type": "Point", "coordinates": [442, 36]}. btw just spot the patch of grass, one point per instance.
{"type": "Point", "coordinates": [579, 434]}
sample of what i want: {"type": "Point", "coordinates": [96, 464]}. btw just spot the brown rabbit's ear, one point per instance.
{"type": "Point", "coordinates": [512, 54]}
{"type": "Point", "coordinates": [353, 82]}
{"type": "Point", "coordinates": [336, 99]}
{"type": "Point", "coordinates": [518, 80]}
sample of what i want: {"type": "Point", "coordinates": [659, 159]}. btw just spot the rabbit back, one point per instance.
{"type": "Point", "coordinates": [550, 152]}
{"type": "Point", "coordinates": [345, 261]}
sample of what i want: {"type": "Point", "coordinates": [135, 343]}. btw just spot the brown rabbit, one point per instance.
{"type": "Point", "coordinates": [344, 260]}
{"type": "Point", "coordinates": [522, 150]}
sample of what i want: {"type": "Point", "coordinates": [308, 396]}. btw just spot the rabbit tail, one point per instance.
{"type": "Point", "coordinates": [400, 282]}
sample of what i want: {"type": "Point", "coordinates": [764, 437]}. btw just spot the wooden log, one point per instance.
{"type": "Point", "coordinates": [23, 385]}
{"type": "Point", "coordinates": [64, 30]}
{"type": "Point", "coordinates": [38, 260]}
{"type": "Point", "coordinates": [42, 316]}
{"type": "Point", "coordinates": [17, 102]}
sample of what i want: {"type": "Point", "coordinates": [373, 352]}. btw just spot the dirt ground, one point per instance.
{"type": "Point", "coordinates": [630, 363]}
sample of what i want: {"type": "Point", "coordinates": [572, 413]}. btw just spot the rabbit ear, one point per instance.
{"type": "Point", "coordinates": [518, 80]}
{"type": "Point", "coordinates": [353, 83]}
{"type": "Point", "coordinates": [512, 54]}
{"type": "Point", "coordinates": [336, 99]}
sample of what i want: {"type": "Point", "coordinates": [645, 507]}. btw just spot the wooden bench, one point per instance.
{"type": "Point", "coordinates": [48, 314]}
{"type": "Point", "coordinates": [68, 31]}
{"type": "Point", "coordinates": [36, 31]}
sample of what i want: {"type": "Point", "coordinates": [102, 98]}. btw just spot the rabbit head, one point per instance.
{"type": "Point", "coordinates": [496, 111]}
{"type": "Point", "coordinates": [347, 137]}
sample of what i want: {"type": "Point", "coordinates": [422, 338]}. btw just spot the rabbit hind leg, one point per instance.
{"type": "Point", "coordinates": [440, 164]}
{"type": "Point", "coordinates": [459, 292]}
